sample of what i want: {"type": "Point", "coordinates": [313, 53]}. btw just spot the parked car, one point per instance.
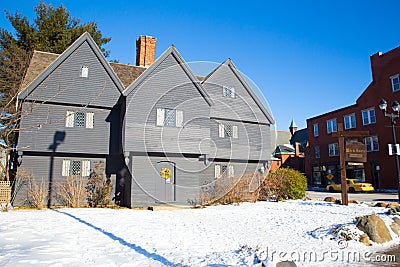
{"type": "Point", "coordinates": [353, 185]}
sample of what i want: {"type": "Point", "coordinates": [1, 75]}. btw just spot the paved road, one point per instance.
{"type": "Point", "coordinates": [363, 197]}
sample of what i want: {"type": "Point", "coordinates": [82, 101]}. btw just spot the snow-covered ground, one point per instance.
{"type": "Point", "coordinates": [234, 235]}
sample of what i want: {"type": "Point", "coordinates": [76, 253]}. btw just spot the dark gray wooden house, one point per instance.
{"type": "Point", "coordinates": [159, 132]}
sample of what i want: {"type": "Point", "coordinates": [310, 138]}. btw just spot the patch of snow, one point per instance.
{"type": "Point", "coordinates": [249, 234]}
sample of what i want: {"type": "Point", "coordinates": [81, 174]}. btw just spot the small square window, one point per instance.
{"type": "Point", "coordinates": [228, 91]}
{"type": "Point", "coordinates": [84, 71]}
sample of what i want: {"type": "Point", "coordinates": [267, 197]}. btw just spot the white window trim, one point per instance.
{"type": "Point", "coordinates": [351, 126]}
{"type": "Point", "coordinates": [393, 85]}
{"type": "Point", "coordinates": [329, 126]}
{"type": "Point", "coordinates": [371, 140]}
{"type": "Point", "coordinates": [369, 116]}
{"type": "Point", "coordinates": [316, 129]}
{"type": "Point", "coordinates": [334, 145]}
{"type": "Point", "coordinates": [222, 132]}
{"type": "Point", "coordinates": [89, 120]}
{"type": "Point", "coordinates": [66, 167]}
{"type": "Point", "coordinates": [70, 119]}
{"type": "Point", "coordinates": [160, 117]}
{"type": "Point", "coordinates": [84, 71]}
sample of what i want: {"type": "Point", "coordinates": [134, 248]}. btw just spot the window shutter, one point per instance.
{"type": "Point", "coordinates": [221, 130]}
{"type": "Point", "coordinates": [85, 167]}
{"type": "Point", "coordinates": [66, 164]}
{"type": "Point", "coordinates": [69, 120]}
{"type": "Point", "coordinates": [217, 170]}
{"type": "Point", "coordinates": [231, 171]}
{"type": "Point", "coordinates": [89, 120]}
{"type": "Point", "coordinates": [232, 92]}
{"type": "Point", "coordinates": [235, 131]}
{"type": "Point", "coordinates": [160, 116]}
{"type": "Point", "coordinates": [179, 118]}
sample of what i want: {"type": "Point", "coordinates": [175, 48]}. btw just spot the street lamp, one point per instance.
{"type": "Point", "coordinates": [392, 116]}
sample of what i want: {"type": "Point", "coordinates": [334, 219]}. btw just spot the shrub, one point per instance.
{"type": "Point", "coordinates": [283, 183]}
{"type": "Point", "coordinates": [72, 192]}
{"type": "Point", "coordinates": [230, 190]}
{"type": "Point", "coordinates": [98, 190]}
{"type": "Point", "coordinates": [36, 193]}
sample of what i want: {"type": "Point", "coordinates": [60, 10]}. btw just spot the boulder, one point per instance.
{"type": "Point", "coordinates": [395, 228]}
{"type": "Point", "coordinates": [392, 205]}
{"type": "Point", "coordinates": [330, 199]}
{"type": "Point", "coordinates": [396, 220]}
{"type": "Point", "coordinates": [354, 201]}
{"type": "Point", "coordinates": [286, 264]}
{"type": "Point", "coordinates": [364, 238]}
{"type": "Point", "coordinates": [375, 228]}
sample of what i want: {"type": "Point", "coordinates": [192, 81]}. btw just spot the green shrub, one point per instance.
{"type": "Point", "coordinates": [283, 183]}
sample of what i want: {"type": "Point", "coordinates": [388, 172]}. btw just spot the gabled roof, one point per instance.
{"type": "Point", "coordinates": [170, 51]}
{"type": "Point", "coordinates": [85, 37]}
{"type": "Point", "coordinates": [245, 84]}
{"type": "Point", "coordinates": [284, 150]}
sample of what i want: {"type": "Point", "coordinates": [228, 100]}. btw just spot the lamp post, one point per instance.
{"type": "Point", "coordinates": [393, 116]}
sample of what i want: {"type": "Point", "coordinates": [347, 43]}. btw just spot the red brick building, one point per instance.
{"type": "Point", "coordinates": [322, 156]}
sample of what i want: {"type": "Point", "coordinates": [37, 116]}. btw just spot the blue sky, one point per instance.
{"type": "Point", "coordinates": [307, 57]}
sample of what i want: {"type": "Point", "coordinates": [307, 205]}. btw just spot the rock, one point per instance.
{"type": "Point", "coordinates": [338, 201]}
{"type": "Point", "coordinates": [375, 228]}
{"type": "Point", "coordinates": [330, 199]}
{"type": "Point", "coordinates": [364, 238]}
{"type": "Point", "coordinates": [286, 264]}
{"type": "Point", "coordinates": [396, 220]}
{"type": "Point", "coordinates": [307, 198]}
{"type": "Point", "coordinates": [354, 201]}
{"type": "Point", "coordinates": [395, 228]}
{"type": "Point", "coordinates": [392, 205]}
{"type": "Point", "coordinates": [380, 205]}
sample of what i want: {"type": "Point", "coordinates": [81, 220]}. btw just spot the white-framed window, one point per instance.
{"type": "Point", "coordinates": [331, 126]}
{"type": "Point", "coordinates": [69, 119]}
{"type": "Point", "coordinates": [75, 167]}
{"type": "Point", "coordinates": [169, 117]}
{"type": "Point", "coordinates": [315, 126]}
{"type": "Point", "coordinates": [372, 143]}
{"type": "Point", "coordinates": [333, 150]}
{"type": "Point", "coordinates": [368, 116]}
{"type": "Point", "coordinates": [317, 152]}
{"type": "Point", "coordinates": [224, 170]}
{"type": "Point", "coordinates": [226, 130]}
{"type": "Point", "coordinates": [395, 82]}
{"type": "Point", "coordinates": [350, 121]}
{"type": "Point", "coordinates": [89, 120]}
{"type": "Point", "coordinates": [79, 119]}
{"type": "Point", "coordinates": [84, 71]}
{"type": "Point", "coordinates": [228, 91]}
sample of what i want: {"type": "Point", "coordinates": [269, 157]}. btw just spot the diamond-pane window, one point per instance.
{"type": "Point", "coordinates": [76, 167]}
{"type": "Point", "coordinates": [80, 119]}
{"type": "Point", "coordinates": [224, 169]}
{"type": "Point", "coordinates": [169, 117]}
{"type": "Point", "coordinates": [228, 130]}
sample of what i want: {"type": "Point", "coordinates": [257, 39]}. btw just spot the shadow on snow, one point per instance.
{"type": "Point", "coordinates": [137, 248]}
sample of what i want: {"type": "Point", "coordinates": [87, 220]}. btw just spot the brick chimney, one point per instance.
{"type": "Point", "coordinates": [145, 50]}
